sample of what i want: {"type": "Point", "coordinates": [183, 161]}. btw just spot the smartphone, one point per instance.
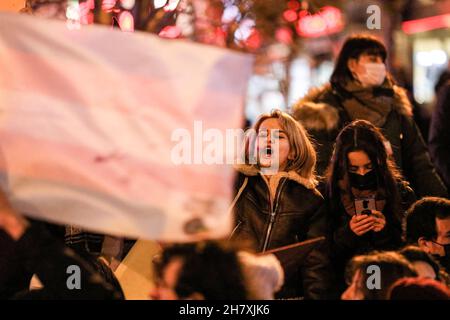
{"type": "Point", "coordinates": [365, 205]}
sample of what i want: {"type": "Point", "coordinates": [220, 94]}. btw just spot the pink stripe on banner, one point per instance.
{"type": "Point", "coordinates": [86, 119]}
{"type": "Point", "coordinates": [91, 88]}
{"type": "Point", "coordinates": [114, 174]}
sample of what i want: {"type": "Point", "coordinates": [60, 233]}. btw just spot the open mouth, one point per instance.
{"type": "Point", "coordinates": [266, 152]}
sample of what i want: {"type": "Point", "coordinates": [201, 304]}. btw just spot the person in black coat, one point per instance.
{"type": "Point", "coordinates": [361, 88]}
{"type": "Point", "coordinates": [279, 205]}
{"type": "Point", "coordinates": [439, 137]}
{"type": "Point", "coordinates": [366, 195]}
{"type": "Point", "coordinates": [27, 248]}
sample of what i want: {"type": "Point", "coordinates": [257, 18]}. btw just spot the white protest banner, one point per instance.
{"type": "Point", "coordinates": [86, 123]}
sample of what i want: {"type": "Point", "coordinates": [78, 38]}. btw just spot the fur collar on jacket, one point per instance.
{"type": "Point", "coordinates": [251, 170]}
{"type": "Point", "coordinates": [315, 113]}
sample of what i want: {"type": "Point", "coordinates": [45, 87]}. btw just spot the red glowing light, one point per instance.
{"type": "Point", "coordinates": [329, 20]}
{"type": "Point", "coordinates": [303, 13]}
{"type": "Point", "coordinates": [89, 3]}
{"type": "Point", "coordinates": [284, 35]}
{"type": "Point", "coordinates": [426, 24]}
{"type": "Point", "coordinates": [86, 16]}
{"type": "Point", "coordinates": [220, 33]}
{"type": "Point", "coordinates": [254, 41]}
{"type": "Point", "coordinates": [293, 5]}
{"type": "Point", "coordinates": [290, 15]}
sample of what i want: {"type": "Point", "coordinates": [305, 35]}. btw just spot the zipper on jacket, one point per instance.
{"type": "Point", "coordinates": [272, 216]}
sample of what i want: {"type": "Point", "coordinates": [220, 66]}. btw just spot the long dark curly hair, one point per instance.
{"type": "Point", "coordinates": [361, 135]}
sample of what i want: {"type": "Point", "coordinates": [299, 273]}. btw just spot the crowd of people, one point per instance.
{"type": "Point", "coordinates": [351, 167]}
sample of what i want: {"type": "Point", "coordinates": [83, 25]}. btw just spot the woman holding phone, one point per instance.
{"type": "Point", "coordinates": [366, 194]}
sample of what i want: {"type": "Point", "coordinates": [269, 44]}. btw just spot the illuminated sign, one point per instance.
{"type": "Point", "coordinates": [328, 21]}
{"type": "Point", "coordinates": [426, 24]}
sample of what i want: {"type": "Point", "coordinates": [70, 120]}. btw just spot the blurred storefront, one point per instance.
{"type": "Point", "coordinates": [306, 36]}
{"type": "Point", "coordinates": [427, 28]}
{"type": "Point", "coordinates": [416, 34]}
{"type": "Point", "coordinates": [309, 63]}
{"type": "Point", "coordinates": [321, 27]}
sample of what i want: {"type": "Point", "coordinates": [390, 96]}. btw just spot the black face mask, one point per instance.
{"type": "Point", "coordinates": [365, 182]}
{"type": "Point", "coordinates": [444, 260]}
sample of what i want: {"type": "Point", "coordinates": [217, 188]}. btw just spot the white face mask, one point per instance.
{"type": "Point", "coordinates": [374, 75]}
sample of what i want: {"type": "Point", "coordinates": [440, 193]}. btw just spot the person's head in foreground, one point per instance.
{"type": "Point", "coordinates": [55, 9]}
{"type": "Point", "coordinates": [280, 143]}
{"type": "Point", "coordinates": [418, 289]}
{"type": "Point", "coordinates": [370, 276]}
{"type": "Point", "coordinates": [427, 225]}
{"type": "Point", "coordinates": [212, 270]}
{"type": "Point", "coordinates": [424, 263]}
{"type": "Point", "coordinates": [196, 271]}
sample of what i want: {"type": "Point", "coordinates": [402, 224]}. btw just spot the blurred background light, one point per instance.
{"type": "Point", "coordinates": [108, 5]}
{"type": "Point", "coordinates": [127, 4]}
{"type": "Point", "coordinates": [290, 15]}
{"type": "Point", "coordinates": [230, 13]}
{"type": "Point", "coordinates": [126, 21]}
{"type": "Point", "coordinates": [159, 3]}
{"type": "Point", "coordinates": [73, 11]}
{"type": "Point", "coordinates": [172, 5]}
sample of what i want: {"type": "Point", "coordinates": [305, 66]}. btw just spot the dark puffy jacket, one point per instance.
{"type": "Point", "coordinates": [323, 115]}
{"type": "Point", "coordinates": [296, 215]}
{"type": "Point", "coordinates": [439, 137]}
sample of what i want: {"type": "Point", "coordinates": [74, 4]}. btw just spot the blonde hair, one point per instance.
{"type": "Point", "coordinates": [303, 153]}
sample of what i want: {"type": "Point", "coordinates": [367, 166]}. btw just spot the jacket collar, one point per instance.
{"type": "Point", "coordinates": [251, 170]}
{"type": "Point", "coordinates": [315, 112]}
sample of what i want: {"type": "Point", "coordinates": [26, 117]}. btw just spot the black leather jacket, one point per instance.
{"type": "Point", "coordinates": [294, 215]}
